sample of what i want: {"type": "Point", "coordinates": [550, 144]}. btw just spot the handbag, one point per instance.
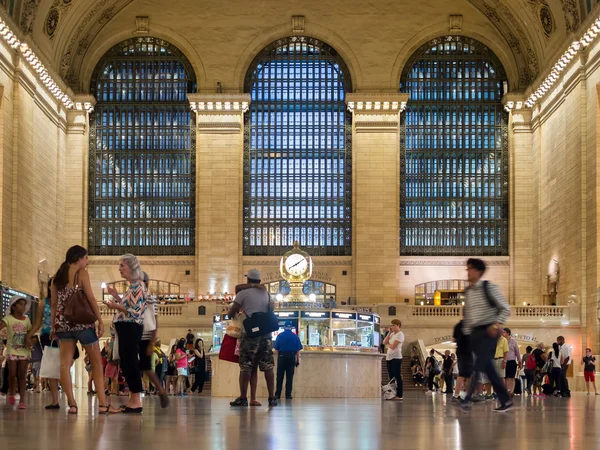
{"type": "Point", "coordinates": [50, 367]}
{"type": "Point", "coordinates": [77, 309]}
{"type": "Point", "coordinates": [261, 323]}
{"type": "Point", "coordinates": [235, 326]}
{"type": "Point", "coordinates": [227, 352]}
{"type": "Point", "coordinates": [389, 390]}
{"type": "Point", "coordinates": [149, 319]}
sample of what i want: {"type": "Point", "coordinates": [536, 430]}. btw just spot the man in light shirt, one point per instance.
{"type": "Point", "coordinates": [565, 359]}
{"type": "Point", "coordinates": [513, 361]}
{"type": "Point", "coordinates": [394, 341]}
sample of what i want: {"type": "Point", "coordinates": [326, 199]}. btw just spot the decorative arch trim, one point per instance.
{"type": "Point", "coordinates": [323, 34]}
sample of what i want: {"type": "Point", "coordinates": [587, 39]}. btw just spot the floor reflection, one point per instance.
{"type": "Point", "coordinates": [419, 422]}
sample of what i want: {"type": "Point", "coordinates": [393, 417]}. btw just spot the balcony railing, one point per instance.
{"type": "Point", "coordinates": [163, 310]}
{"type": "Point", "coordinates": [436, 311]}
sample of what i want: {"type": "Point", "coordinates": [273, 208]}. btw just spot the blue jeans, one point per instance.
{"type": "Point", "coordinates": [484, 348]}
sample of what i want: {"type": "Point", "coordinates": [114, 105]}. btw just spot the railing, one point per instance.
{"type": "Point", "coordinates": [538, 311]}
{"type": "Point", "coordinates": [163, 310]}
{"type": "Point", "coordinates": [436, 311]}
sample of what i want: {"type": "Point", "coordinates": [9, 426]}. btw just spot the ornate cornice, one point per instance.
{"type": "Point", "coordinates": [219, 103]}
{"type": "Point", "coordinates": [377, 103]}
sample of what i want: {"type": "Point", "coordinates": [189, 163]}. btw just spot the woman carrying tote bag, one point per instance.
{"type": "Point", "coordinates": [64, 287]}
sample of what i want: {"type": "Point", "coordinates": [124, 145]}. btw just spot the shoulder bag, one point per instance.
{"type": "Point", "coordinates": [78, 310]}
{"type": "Point", "coordinates": [261, 323]}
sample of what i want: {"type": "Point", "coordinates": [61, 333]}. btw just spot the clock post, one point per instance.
{"type": "Point", "coordinates": [296, 268]}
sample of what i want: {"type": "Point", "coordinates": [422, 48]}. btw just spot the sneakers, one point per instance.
{"type": "Point", "coordinates": [505, 407]}
{"type": "Point", "coordinates": [240, 402]}
{"type": "Point", "coordinates": [272, 401]}
{"type": "Point", "coordinates": [465, 405]}
{"type": "Point", "coordinates": [21, 406]}
{"type": "Point", "coordinates": [478, 398]}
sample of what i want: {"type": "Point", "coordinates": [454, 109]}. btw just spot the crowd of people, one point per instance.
{"type": "Point", "coordinates": [487, 364]}
{"type": "Point", "coordinates": [70, 315]}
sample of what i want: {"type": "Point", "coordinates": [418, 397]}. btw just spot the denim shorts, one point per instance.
{"type": "Point", "coordinates": [86, 337]}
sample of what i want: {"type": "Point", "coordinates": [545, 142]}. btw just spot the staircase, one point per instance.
{"type": "Point", "coordinates": [406, 375]}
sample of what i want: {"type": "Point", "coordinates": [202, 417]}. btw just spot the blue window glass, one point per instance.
{"type": "Point", "coordinates": [142, 152]}
{"type": "Point", "coordinates": [297, 151]}
{"type": "Point", "coordinates": [454, 152]}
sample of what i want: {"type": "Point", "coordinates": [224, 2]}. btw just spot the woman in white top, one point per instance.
{"type": "Point", "coordinates": [394, 341]}
{"type": "Point", "coordinates": [555, 372]}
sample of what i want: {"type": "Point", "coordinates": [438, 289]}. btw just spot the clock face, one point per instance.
{"type": "Point", "coordinates": [296, 265]}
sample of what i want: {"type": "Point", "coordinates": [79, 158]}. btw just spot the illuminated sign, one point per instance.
{"type": "Point", "coordinates": [216, 318]}
{"type": "Point", "coordinates": [315, 314]}
{"type": "Point", "coordinates": [365, 317]}
{"type": "Point", "coordinates": [376, 319]}
{"type": "Point", "coordinates": [343, 315]}
{"type": "Point", "coordinates": [286, 314]}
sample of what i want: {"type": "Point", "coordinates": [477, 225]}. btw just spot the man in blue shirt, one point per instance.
{"type": "Point", "coordinates": [288, 346]}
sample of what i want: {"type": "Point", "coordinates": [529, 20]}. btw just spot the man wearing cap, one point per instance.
{"type": "Point", "coordinates": [255, 352]}
{"type": "Point", "coordinates": [288, 348]}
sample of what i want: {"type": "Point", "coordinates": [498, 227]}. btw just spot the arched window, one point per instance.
{"type": "Point", "coordinates": [142, 151]}
{"type": "Point", "coordinates": [454, 152]}
{"type": "Point", "coordinates": [297, 153]}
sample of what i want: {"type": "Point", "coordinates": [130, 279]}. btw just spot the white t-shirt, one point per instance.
{"type": "Point", "coordinates": [555, 360]}
{"type": "Point", "coordinates": [395, 353]}
{"type": "Point", "coordinates": [565, 352]}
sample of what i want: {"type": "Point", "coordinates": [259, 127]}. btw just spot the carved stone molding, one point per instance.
{"type": "Point", "coordinates": [149, 262]}
{"type": "Point", "coordinates": [461, 262]}
{"type": "Point", "coordinates": [28, 15]}
{"type": "Point", "coordinates": [455, 23]}
{"type": "Point", "coordinates": [571, 12]}
{"type": "Point", "coordinates": [219, 103]}
{"type": "Point", "coordinates": [219, 127]}
{"type": "Point", "coordinates": [316, 262]}
{"type": "Point", "coordinates": [98, 16]}
{"type": "Point", "coordinates": [377, 103]}
{"type": "Point", "coordinates": [298, 24]}
{"type": "Point", "coordinates": [512, 29]}
{"type": "Point", "coordinates": [142, 25]}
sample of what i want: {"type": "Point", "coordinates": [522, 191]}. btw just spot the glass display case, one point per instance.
{"type": "Point", "coordinates": [219, 327]}
{"type": "Point", "coordinates": [315, 328]}
{"type": "Point", "coordinates": [320, 329]}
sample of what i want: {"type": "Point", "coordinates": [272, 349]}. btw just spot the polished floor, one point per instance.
{"type": "Point", "coordinates": [419, 422]}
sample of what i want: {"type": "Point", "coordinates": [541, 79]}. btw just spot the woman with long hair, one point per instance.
{"type": "Point", "coordinates": [67, 333]}
{"type": "Point", "coordinates": [129, 324]}
{"type": "Point", "coordinates": [199, 366]}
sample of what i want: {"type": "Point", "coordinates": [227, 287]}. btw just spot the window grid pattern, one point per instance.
{"type": "Point", "coordinates": [142, 152]}
{"type": "Point", "coordinates": [454, 152]}
{"type": "Point", "coordinates": [297, 151]}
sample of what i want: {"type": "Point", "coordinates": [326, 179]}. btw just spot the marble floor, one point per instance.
{"type": "Point", "coordinates": [419, 422]}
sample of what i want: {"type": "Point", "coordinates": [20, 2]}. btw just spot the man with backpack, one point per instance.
{"type": "Point", "coordinates": [484, 313]}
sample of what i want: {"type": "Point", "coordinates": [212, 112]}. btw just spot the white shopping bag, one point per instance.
{"type": "Point", "coordinates": [389, 390]}
{"type": "Point", "coordinates": [50, 367]}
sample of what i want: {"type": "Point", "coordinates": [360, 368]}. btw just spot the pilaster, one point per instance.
{"type": "Point", "coordinates": [376, 122]}
{"type": "Point", "coordinates": [219, 199]}
{"type": "Point", "coordinates": [521, 245]}
{"type": "Point", "coordinates": [76, 172]}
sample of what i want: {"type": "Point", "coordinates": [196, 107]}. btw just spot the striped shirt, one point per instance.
{"type": "Point", "coordinates": [134, 301]}
{"type": "Point", "coordinates": [478, 311]}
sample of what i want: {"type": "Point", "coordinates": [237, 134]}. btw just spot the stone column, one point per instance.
{"type": "Point", "coordinates": [219, 199]}
{"type": "Point", "coordinates": [77, 172]}
{"type": "Point", "coordinates": [376, 184]}
{"type": "Point", "coordinates": [521, 285]}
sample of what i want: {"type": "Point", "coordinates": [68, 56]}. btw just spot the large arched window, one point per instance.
{"type": "Point", "coordinates": [142, 151]}
{"type": "Point", "coordinates": [297, 154]}
{"type": "Point", "coordinates": [454, 152]}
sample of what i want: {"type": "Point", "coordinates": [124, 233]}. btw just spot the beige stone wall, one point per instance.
{"type": "Point", "coordinates": [32, 191]}
{"type": "Point", "coordinates": [565, 176]}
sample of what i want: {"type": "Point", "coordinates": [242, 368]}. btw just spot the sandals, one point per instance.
{"type": "Point", "coordinates": [255, 403]}
{"type": "Point", "coordinates": [164, 400]}
{"type": "Point", "coordinates": [57, 406]}
{"type": "Point", "coordinates": [129, 410]}
{"type": "Point", "coordinates": [71, 409]}
{"type": "Point", "coordinates": [109, 410]}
